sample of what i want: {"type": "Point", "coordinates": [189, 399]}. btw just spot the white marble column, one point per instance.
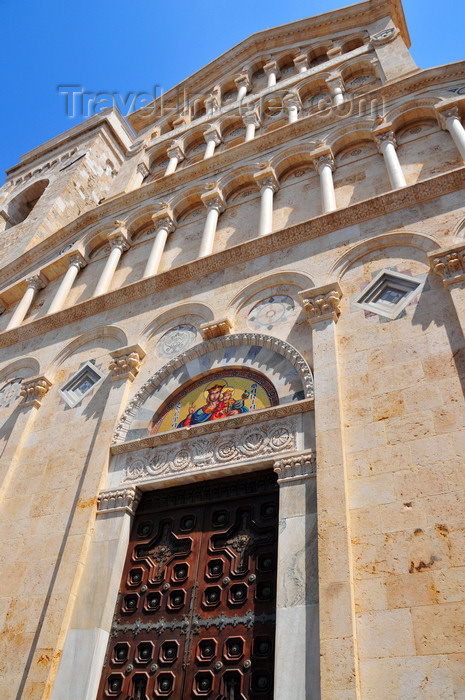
{"type": "Point", "coordinates": [268, 183]}
{"type": "Point", "coordinates": [176, 155]}
{"type": "Point", "coordinates": [336, 88]}
{"type": "Point", "coordinates": [386, 144]}
{"type": "Point", "coordinates": [293, 106]}
{"type": "Point", "coordinates": [214, 202]}
{"type": "Point", "coordinates": [272, 72]}
{"type": "Point", "coordinates": [324, 165]}
{"type": "Point", "coordinates": [449, 119]}
{"type": "Point", "coordinates": [76, 262]}
{"type": "Point", "coordinates": [297, 654]}
{"type": "Point", "coordinates": [164, 224]}
{"type": "Point", "coordinates": [213, 140]}
{"type": "Point", "coordinates": [251, 122]}
{"type": "Point", "coordinates": [301, 63]}
{"type": "Point", "coordinates": [336, 592]}
{"type": "Point", "coordinates": [119, 243]}
{"type": "Point", "coordinates": [34, 284]}
{"type": "Point", "coordinates": [243, 85]}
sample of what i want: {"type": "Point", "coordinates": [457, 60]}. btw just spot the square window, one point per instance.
{"type": "Point", "coordinates": [388, 294]}
{"type": "Point", "coordinates": [81, 384]}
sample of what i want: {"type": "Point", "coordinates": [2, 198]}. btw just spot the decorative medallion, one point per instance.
{"type": "Point", "coordinates": [271, 312]}
{"type": "Point", "coordinates": [10, 392]}
{"type": "Point", "coordinates": [176, 340]}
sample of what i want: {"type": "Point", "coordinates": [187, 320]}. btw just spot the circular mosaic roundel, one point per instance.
{"type": "Point", "coordinates": [270, 312]}
{"type": "Point", "coordinates": [176, 340]}
{"type": "Point", "coordinates": [10, 392]}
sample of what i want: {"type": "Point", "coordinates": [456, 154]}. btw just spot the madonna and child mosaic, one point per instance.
{"type": "Point", "coordinates": [220, 394]}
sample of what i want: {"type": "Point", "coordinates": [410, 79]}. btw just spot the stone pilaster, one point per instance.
{"type": "Point", "coordinates": [336, 596]}
{"type": "Point", "coordinates": [297, 636]}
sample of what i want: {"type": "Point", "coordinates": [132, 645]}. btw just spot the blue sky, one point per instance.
{"type": "Point", "coordinates": [130, 45]}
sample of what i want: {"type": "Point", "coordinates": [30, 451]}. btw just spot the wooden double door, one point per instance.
{"type": "Point", "coordinates": [195, 616]}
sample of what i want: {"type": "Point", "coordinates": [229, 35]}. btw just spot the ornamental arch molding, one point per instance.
{"type": "Point", "coordinates": [182, 368]}
{"type": "Point", "coordinates": [112, 333]}
{"type": "Point", "coordinates": [426, 244]}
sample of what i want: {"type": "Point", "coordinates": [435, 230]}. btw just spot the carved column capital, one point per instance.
{"type": "Point", "coordinates": [119, 500]}
{"type": "Point", "coordinates": [449, 109]}
{"type": "Point", "coordinates": [292, 99]}
{"type": "Point", "coordinates": [212, 135]}
{"type": "Point", "coordinates": [381, 138]}
{"type": "Point", "coordinates": [214, 329]}
{"type": "Point", "coordinates": [335, 81]}
{"type": "Point", "coordinates": [211, 103]}
{"type": "Point", "coordinates": [319, 160]}
{"type": "Point", "coordinates": [213, 199]}
{"type": "Point", "coordinates": [301, 62]}
{"type": "Point", "coordinates": [119, 239]}
{"type": "Point", "coordinates": [243, 80]}
{"type": "Point", "coordinates": [296, 468]}
{"type": "Point", "coordinates": [175, 151]}
{"type": "Point", "coordinates": [251, 118]}
{"type": "Point", "coordinates": [449, 264]}
{"type": "Point", "coordinates": [77, 259]}
{"type": "Point", "coordinates": [322, 303]}
{"type": "Point", "coordinates": [33, 390]}
{"type": "Point", "coordinates": [36, 282]}
{"type": "Point", "coordinates": [126, 362]}
{"type": "Point", "coordinates": [164, 219]}
{"type": "Point", "coordinates": [267, 178]}
{"type": "Point", "coordinates": [271, 67]}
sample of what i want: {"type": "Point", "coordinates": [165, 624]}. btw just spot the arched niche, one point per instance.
{"type": "Point", "coordinates": [283, 368]}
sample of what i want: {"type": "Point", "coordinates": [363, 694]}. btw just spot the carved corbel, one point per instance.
{"type": "Point", "coordinates": [322, 303]}
{"type": "Point", "coordinates": [33, 391]}
{"type": "Point", "coordinates": [449, 264]}
{"type": "Point", "coordinates": [126, 362]}
{"type": "Point", "coordinates": [296, 468]}
{"type": "Point", "coordinates": [214, 329]}
{"type": "Point", "coordinates": [119, 500]}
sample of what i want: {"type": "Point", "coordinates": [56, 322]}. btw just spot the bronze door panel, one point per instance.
{"type": "Point", "coordinates": [195, 616]}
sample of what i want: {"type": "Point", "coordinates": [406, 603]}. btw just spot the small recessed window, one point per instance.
{"type": "Point", "coordinates": [389, 293]}
{"type": "Point", "coordinates": [81, 384]}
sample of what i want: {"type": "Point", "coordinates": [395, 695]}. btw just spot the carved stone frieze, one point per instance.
{"type": "Point", "coordinates": [116, 500]}
{"type": "Point", "coordinates": [296, 468]}
{"type": "Point", "coordinates": [126, 362]}
{"type": "Point", "coordinates": [322, 303]}
{"type": "Point", "coordinates": [33, 390]}
{"type": "Point", "coordinates": [449, 264]}
{"type": "Point", "coordinates": [258, 441]}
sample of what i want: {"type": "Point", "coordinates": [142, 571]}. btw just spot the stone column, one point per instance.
{"type": "Point", "coordinates": [336, 595]}
{"type": "Point", "coordinates": [449, 119]}
{"type": "Point", "coordinates": [268, 183]}
{"type": "Point", "coordinates": [323, 161]}
{"type": "Point", "coordinates": [272, 72]}
{"type": "Point", "coordinates": [76, 262]}
{"type": "Point", "coordinates": [449, 265]}
{"type": "Point", "coordinates": [165, 224]}
{"type": "Point", "coordinates": [176, 155]}
{"type": "Point", "coordinates": [301, 63]}
{"type": "Point", "coordinates": [336, 88]}
{"type": "Point", "coordinates": [243, 85]}
{"type": "Point", "coordinates": [251, 122]}
{"type": "Point", "coordinates": [214, 202]}
{"type": "Point", "coordinates": [297, 655]}
{"type": "Point", "coordinates": [92, 606]}
{"type": "Point", "coordinates": [34, 284]}
{"type": "Point", "coordinates": [293, 105]}
{"type": "Point", "coordinates": [119, 243]}
{"type": "Point", "coordinates": [213, 140]}
{"type": "Point", "coordinates": [386, 144]}
{"type": "Point", "coordinates": [211, 104]}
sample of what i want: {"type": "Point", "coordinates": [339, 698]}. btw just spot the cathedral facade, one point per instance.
{"type": "Point", "coordinates": [232, 374]}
